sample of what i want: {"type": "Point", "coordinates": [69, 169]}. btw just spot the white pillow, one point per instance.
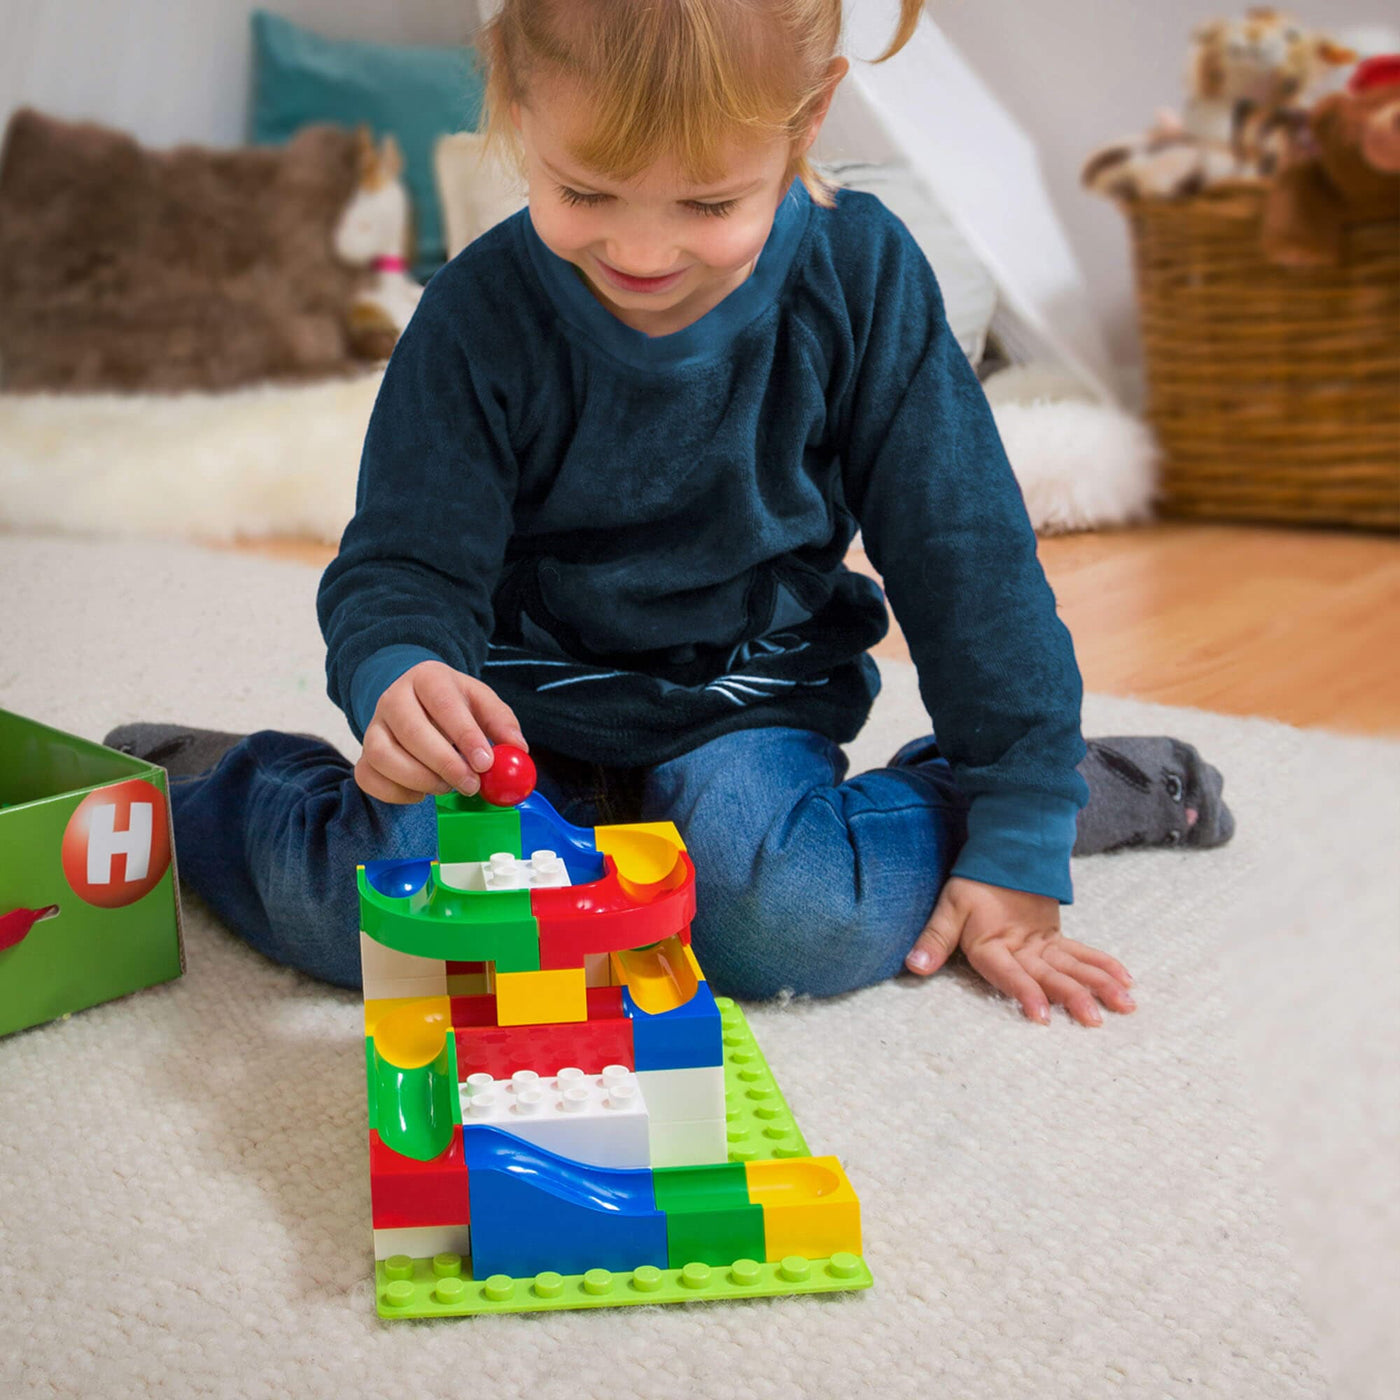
{"type": "Point", "coordinates": [474, 194]}
{"type": "Point", "coordinates": [969, 293]}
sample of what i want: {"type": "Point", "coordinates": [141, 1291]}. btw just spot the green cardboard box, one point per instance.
{"type": "Point", "coordinates": [89, 895]}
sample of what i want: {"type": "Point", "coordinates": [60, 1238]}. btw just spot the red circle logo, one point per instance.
{"type": "Point", "coordinates": [117, 844]}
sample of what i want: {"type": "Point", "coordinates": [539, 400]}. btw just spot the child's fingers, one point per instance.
{"type": "Point", "coordinates": [494, 715]}
{"type": "Point", "coordinates": [371, 781]}
{"type": "Point", "coordinates": [934, 946]}
{"type": "Point", "coordinates": [446, 705]}
{"type": "Point", "coordinates": [417, 737]}
{"type": "Point", "coordinates": [1095, 958]}
{"type": "Point", "coordinates": [1107, 988]}
{"type": "Point", "coordinates": [998, 965]}
{"type": "Point", "coordinates": [1063, 990]}
{"type": "Point", "coordinates": [392, 758]}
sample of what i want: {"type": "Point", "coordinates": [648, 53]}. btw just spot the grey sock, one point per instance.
{"type": "Point", "coordinates": [1150, 790]}
{"type": "Point", "coordinates": [180, 749]}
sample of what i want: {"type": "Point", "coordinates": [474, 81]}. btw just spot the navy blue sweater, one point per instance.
{"type": "Point", "coordinates": [637, 541]}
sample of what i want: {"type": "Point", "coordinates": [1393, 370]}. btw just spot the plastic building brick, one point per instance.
{"type": "Point", "coordinates": [589, 1045]}
{"type": "Point", "coordinates": [759, 1123]}
{"type": "Point", "coordinates": [535, 1209]}
{"type": "Point", "coordinates": [597, 1119]}
{"type": "Point", "coordinates": [423, 1241]}
{"type": "Point", "coordinates": [809, 1207]}
{"type": "Point", "coordinates": [561, 1115]}
{"type": "Point", "coordinates": [441, 1287]}
{"type": "Point", "coordinates": [534, 998]}
{"type": "Point", "coordinates": [677, 1144]}
{"type": "Point", "coordinates": [405, 1193]}
{"type": "Point", "coordinates": [387, 973]}
{"type": "Point", "coordinates": [688, 1037]}
{"type": "Point", "coordinates": [683, 1095]}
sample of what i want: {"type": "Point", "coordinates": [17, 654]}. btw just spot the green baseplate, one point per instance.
{"type": "Point", "coordinates": [761, 1126]}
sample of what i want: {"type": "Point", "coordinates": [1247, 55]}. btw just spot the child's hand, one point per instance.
{"type": "Point", "coordinates": [1013, 939]}
{"type": "Point", "coordinates": [423, 726]}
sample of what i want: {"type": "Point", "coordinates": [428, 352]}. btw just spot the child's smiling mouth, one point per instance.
{"type": "Point", "coordinates": [639, 284]}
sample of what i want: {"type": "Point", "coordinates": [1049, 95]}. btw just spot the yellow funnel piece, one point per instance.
{"type": "Point", "coordinates": [412, 1036]}
{"type": "Point", "coordinates": [644, 852]}
{"type": "Point", "coordinates": [660, 978]}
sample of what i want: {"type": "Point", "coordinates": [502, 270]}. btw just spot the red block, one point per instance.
{"type": "Point", "coordinates": [405, 1193]}
{"type": "Point", "coordinates": [587, 1045]}
{"type": "Point", "coordinates": [474, 1011]}
{"type": "Point", "coordinates": [606, 916]}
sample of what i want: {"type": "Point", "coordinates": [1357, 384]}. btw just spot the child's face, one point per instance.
{"type": "Point", "coordinates": [701, 241]}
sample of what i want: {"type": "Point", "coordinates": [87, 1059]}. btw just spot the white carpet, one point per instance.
{"type": "Point", "coordinates": [1197, 1200]}
{"type": "Point", "coordinates": [284, 460]}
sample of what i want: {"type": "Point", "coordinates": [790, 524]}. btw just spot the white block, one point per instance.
{"type": "Point", "coordinates": [423, 1241]}
{"type": "Point", "coordinates": [543, 870]}
{"type": "Point", "coordinates": [389, 973]}
{"type": "Point", "coordinates": [683, 1095]}
{"type": "Point", "coordinates": [689, 1144]}
{"type": "Point", "coordinates": [598, 1119]}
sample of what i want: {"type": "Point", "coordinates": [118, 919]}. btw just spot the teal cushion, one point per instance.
{"type": "Point", "coordinates": [416, 93]}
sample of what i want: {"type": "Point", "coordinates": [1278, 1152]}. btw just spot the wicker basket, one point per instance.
{"type": "Point", "coordinates": [1275, 392]}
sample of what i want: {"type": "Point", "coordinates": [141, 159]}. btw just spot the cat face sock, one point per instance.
{"type": "Point", "coordinates": [1144, 791]}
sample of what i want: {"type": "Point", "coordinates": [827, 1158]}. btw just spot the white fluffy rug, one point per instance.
{"type": "Point", "coordinates": [284, 460]}
{"type": "Point", "coordinates": [1197, 1200]}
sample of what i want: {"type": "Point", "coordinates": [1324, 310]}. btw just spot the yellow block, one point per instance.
{"type": "Point", "coordinates": [644, 852]}
{"type": "Point", "coordinates": [809, 1207]}
{"type": "Point", "coordinates": [695, 966]}
{"type": "Point", "coordinates": [660, 977]}
{"type": "Point", "coordinates": [537, 998]}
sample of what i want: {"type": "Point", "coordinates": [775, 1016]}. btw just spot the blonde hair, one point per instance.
{"type": "Point", "coordinates": [671, 77]}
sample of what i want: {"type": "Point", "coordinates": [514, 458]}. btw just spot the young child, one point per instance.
{"type": "Point", "coordinates": [607, 488]}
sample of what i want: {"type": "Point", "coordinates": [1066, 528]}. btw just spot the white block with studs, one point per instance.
{"type": "Point", "coordinates": [543, 870]}
{"type": "Point", "coordinates": [598, 1119]}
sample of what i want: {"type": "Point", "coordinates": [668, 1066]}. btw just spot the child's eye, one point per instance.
{"type": "Point", "coordinates": [589, 200]}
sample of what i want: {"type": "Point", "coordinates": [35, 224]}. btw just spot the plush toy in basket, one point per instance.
{"type": "Point", "coordinates": [1265, 225]}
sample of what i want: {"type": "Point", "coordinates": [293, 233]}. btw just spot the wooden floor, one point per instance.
{"type": "Point", "coordinates": [1297, 625]}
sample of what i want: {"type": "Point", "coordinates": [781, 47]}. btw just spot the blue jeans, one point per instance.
{"type": "Point", "coordinates": [803, 880]}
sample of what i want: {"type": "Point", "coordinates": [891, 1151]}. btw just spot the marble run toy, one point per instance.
{"type": "Point", "coordinates": [561, 1114]}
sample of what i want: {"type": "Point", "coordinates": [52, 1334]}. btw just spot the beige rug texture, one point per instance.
{"type": "Point", "coordinates": [1198, 1200]}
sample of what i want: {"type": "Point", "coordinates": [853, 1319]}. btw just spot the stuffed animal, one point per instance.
{"type": "Point", "coordinates": [1244, 76]}
{"type": "Point", "coordinates": [1343, 169]}
{"type": "Point", "coordinates": [1244, 79]}
{"type": "Point", "coordinates": [375, 231]}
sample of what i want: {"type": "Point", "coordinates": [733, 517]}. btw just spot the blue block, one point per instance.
{"type": "Point", "coordinates": [543, 829]}
{"type": "Point", "coordinates": [534, 1211]}
{"type": "Point", "coordinates": [689, 1037]}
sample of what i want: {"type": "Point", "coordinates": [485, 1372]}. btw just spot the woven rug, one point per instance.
{"type": "Point", "coordinates": [1197, 1200]}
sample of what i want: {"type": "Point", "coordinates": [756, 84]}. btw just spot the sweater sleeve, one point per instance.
{"type": "Point", "coordinates": [420, 558]}
{"type": "Point", "coordinates": [944, 522]}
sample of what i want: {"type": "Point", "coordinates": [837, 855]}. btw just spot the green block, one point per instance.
{"type": "Point", "coordinates": [372, 1087]}
{"type": "Point", "coordinates": [416, 1108]}
{"type": "Point", "coordinates": [759, 1123]}
{"type": "Point", "coordinates": [716, 1186]}
{"type": "Point", "coordinates": [464, 925]}
{"type": "Point", "coordinates": [470, 828]}
{"type": "Point", "coordinates": [68, 848]}
{"type": "Point", "coordinates": [714, 1236]}
{"type": "Point", "coordinates": [443, 1287]}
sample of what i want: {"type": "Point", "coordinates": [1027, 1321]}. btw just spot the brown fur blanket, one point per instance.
{"type": "Point", "coordinates": [123, 268]}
